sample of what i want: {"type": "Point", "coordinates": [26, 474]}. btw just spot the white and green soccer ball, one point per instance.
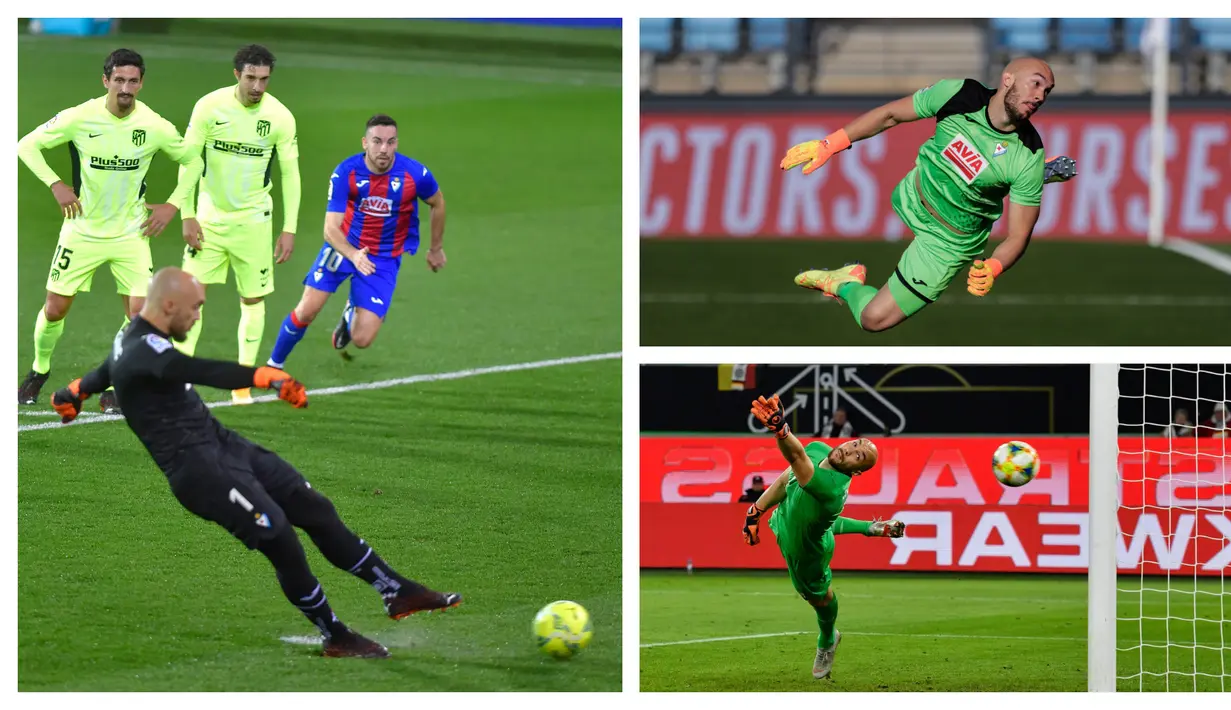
{"type": "Point", "coordinates": [563, 629]}
{"type": "Point", "coordinates": [1015, 463]}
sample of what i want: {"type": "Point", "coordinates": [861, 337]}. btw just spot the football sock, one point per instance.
{"type": "Point", "coordinates": [373, 570]}
{"type": "Point", "coordinates": [46, 335]}
{"type": "Point", "coordinates": [289, 336]}
{"type": "Point", "coordinates": [189, 346]}
{"type": "Point", "coordinates": [826, 617]}
{"type": "Point", "coordinates": [847, 525]}
{"type": "Point", "coordinates": [251, 329]}
{"type": "Point", "coordinates": [298, 583]}
{"type": "Point", "coordinates": [857, 296]}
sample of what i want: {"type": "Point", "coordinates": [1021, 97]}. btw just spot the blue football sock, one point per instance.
{"type": "Point", "coordinates": [289, 335]}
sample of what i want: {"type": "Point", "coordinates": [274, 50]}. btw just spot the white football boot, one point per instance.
{"type": "Point", "coordinates": [824, 658]}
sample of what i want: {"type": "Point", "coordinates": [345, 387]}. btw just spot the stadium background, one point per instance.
{"type": "Point", "coordinates": [120, 589]}
{"type": "Point", "coordinates": [724, 230]}
{"type": "Point", "coordinates": [997, 567]}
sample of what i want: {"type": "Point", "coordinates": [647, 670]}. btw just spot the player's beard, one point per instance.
{"type": "Point", "coordinates": [1012, 100]}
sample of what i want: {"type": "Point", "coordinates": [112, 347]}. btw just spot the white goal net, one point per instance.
{"type": "Point", "coordinates": [1171, 629]}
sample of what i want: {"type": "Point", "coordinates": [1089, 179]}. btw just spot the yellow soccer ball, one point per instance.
{"type": "Point", "coordinates": [563, 629]}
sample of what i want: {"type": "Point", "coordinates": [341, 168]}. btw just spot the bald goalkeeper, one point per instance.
{"type": "Point", "coordinates": [810, 496]}
{"type": "Point", "coordinates": [222, 477]}
{"type": "Point", "coordinates": [983, 150]}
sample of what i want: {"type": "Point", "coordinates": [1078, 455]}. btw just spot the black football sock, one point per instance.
{"type": "Point", "coordinates": [383, 578]}
{"type": "Point", "coordinates": [298, 583]}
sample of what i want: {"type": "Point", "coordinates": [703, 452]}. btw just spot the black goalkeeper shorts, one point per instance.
{"type": "Point", "coordinates": [239, 485]}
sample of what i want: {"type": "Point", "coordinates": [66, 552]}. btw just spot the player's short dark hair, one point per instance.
{"type": "Point", "coordinates": [380, 119]}
{"type": "Point", "coordinates": [254, 55]}
{"type": "Point", "coordinates": [123, 58]}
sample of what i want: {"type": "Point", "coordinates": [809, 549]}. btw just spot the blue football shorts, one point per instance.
{"type": "Point", "coordinates": [373, 293]}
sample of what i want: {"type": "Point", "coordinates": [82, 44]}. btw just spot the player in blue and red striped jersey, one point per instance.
{"type": "Point", "coordinates": [371, 221]}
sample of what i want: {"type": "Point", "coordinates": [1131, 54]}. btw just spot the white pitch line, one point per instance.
{"type": "Point", "coordinates": [382, 384]}
{"type": "Point", "coordinates": [1194, 250]}
{"type": "Point", "coordinates": [865, 633]}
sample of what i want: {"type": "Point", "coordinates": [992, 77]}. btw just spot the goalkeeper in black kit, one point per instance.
{"type": "Point", "coordinates": [220, 476]}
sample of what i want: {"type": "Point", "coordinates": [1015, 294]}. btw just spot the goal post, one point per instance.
{"type": "Point", "coordinates": [1104, 505]}
{"type": "Point", "coordinates": [1159, 45]}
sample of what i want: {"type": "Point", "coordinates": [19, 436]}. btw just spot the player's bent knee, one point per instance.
{"type": "Point", "coordinates": [308, 509]}
{"type": "Point", "coordinates": [363, 339]}
{"type": "Point", "coordinates": [56, 307]}
{"type": "Point", "coordinates": [251, 301]}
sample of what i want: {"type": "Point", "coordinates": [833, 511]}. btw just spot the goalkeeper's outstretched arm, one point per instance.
{"type": "Point", "coordinates": [881, 119]}
{"type": "Point", "coordinates": [774, 494]}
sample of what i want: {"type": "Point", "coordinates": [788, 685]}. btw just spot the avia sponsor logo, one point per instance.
{"type": "Point", "coordinates": [236, 148]}
{"type": "Point", "coordinates": [114, 163]}
{"type": "Point", "coordinates": [965, 157]}
{"type": "Point", "coordinates": [376, 206]}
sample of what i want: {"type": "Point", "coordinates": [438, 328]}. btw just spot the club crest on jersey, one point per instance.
{"type": "Point", "coordinates": [139, 137]}
{"type": "Point", "coordinates": [965, 158]}
{"type": "Point", "coordinates": [376, 206]}
{"type": "Point", "coordinates": [395, 184]}
{"type": "Point", "coordinates": [262, 128]}
{"type": "Point", "coordinates": [1000, 150]}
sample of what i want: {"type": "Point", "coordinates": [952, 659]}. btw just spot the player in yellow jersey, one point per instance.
{"type": "Point", "coordinates": [112, 140]}
{"type": "Point", "coordinates": [241, 130]}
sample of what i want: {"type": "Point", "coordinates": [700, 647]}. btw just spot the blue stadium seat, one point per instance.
{"type": "Point", "coordinates": [711, 34]}
{"type": "Point", "coordinates": [1213, 33]}
{"type": "Point", "coordinates": [655, 34]}
{"type": "Point", "coordinates": [1133, 27]}
{"type": "Point", "coordinates": [1085, 34]}
{"type": "Point", "coordinates": [768, 34]}
{"type": "Point", "coordinates": [1027, 34]}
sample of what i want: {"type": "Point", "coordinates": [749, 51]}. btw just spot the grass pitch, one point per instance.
{"type": "Point", "coordinates": [740, 292]}
{"type": "Point", "coordinates": [901, 632]}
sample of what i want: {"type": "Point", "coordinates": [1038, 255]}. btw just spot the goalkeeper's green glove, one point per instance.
{"type": "Point", "coordinates": [771, 415]}
{"type": "Point", "coordinates": [752, 521]}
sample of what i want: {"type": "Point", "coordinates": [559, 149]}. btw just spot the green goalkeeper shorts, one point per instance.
{"type": "Point", "coordinates": [922, 275]}
{"type": "Point", "coordinates": [810, 574]}
{"type": "Point", "coordinates": [934, 258]}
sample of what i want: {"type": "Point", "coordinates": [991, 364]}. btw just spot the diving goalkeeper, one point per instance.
{"type": "Point", "coordinates": [984, 148]}
{"type": "Point", "coordinates": [810, 495]}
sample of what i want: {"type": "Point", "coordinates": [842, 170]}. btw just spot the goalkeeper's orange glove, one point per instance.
{"type": "Point", "coordinates": [752, 521]}
{"type": "Point", "coordinates": [67, 402]}
{"type": "Point", "coordinates": [769, 412]}
{"type": "Point", "coordinates": [982, 275]}
{"type": "Point", "coordinates": [290, 390]}
{"type": "Point", "coordinates": [816, 153]}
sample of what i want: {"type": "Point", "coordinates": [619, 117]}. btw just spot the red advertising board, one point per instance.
{"type": "Point", "coordinates": [717, 175]}
{"type": "Point", "coordinates": [1175, 497]}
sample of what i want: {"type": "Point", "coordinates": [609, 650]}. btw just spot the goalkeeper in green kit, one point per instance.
{"type": "Point", "coordinates": [983, 150]}
{"type": "Point", "coordinates": [810, 496]}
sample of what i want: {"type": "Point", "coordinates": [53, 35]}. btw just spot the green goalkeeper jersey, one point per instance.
{"type": "Point", "coordinates": [110, 157]}
{"type": "Point", "coordinates": [808, 512]}
{"type": "Point", "coordinates": [965, 170]}
{"type": "Point", "coordinates": [239, 144]}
